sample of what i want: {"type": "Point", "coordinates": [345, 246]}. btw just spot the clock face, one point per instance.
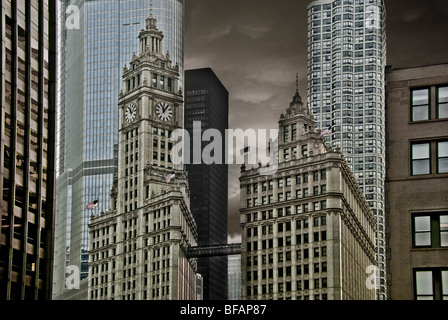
{"type": "Point", "coordinates": [164, 111]}
{"type": "Point", "coordinates": [131, 112]}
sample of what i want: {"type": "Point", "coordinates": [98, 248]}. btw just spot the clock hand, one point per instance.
{"type": "Point", "coordinates": [167, 112]}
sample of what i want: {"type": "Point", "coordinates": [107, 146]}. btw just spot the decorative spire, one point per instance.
{"type": "Point", "coordinates": [297, 83]}
{"type": "Point", "coordinates": [151, 22]}
{"type": "Point", "coordinates": [297, 99]}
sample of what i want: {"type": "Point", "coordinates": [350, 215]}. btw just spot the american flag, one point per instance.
{"type": "Point", "coordinates": [169, 177]}
{"type": "Point", "coordinates": [92, 204]}
{"type": "Point", "coordinates": [326, 131]}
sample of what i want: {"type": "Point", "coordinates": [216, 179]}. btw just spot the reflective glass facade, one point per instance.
{"type": "Point", "coordinates": [346, 69]}
{"type": "Point", "coordinates": [27, 148]}
{"type": "Point", "coordinates": [92, 56]}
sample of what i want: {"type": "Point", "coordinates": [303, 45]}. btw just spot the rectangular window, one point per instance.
{"type": "Point", "coordinates": [442, 102]}
{"type": "Point", "coordinates": [286, 154]}
{"type": "Point", "coordinates": [444, 284]}
{"type": "Point", "coordinates": [280, 183]}
{"type": "Point", "coordinates": [420, 104]}
{"type": "Point", "coordinates": [162, 82]}
{"type": "Point", "coordinates": [430, 230]}
{"type": "Point", "coordinates": [443, 223]}
{"type": "Point", "coordinates": [323, 220]}
{"type": "Point", "coordinates": [264, 186]}
{"type": "Point", "coordinates": [316, 253]}
{"type": "Point", "coordinates": [305, 254]}
{"type": "Point", "coordinates": [154, 80]}
{"type": "Point", "coordinates": [422, 231]}
{"type": "Point", "coordinates": [286, 134]}
{"type": "Point", "coordinates": [431, 284]}
{"type": "Point", "coordinates": [420, 158]}
{"type": "Point", "coordinates": [323, 189]}
{"type": "Point", "coordinates": [294, 152]}
{"type": "Point", "coordinates": [442, 157]}
{"type": "Point", "coordinates": [305, 207]}
{"type": "Point", "coordinates": [323, 174]}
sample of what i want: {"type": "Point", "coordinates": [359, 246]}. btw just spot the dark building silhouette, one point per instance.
{"type": "Point", "coordinates": [27, 149]}
{"type": "Point", "coordinates": [206, 100]}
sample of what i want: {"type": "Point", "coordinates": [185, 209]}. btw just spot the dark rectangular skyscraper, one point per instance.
{"type": "Point", "coordinates": [207, 102]}
{"type": "Point", "coordinates": [27, 148]}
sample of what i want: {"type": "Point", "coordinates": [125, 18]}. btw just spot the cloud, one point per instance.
{"type": "Point", "coordinates": [196, 61]}
{"type": "Point", "coordinates": [254, 31]}
{"type": "Point", "coordinates": [217, 33]}
{"type": "Point", "coordinates": [252, 94]}
{"type": "Point", "coordinates": [412, 15]}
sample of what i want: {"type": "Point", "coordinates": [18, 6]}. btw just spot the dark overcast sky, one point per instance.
{"type": "Point", "coordinates": [256, 47]}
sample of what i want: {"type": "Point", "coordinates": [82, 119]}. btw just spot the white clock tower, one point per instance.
{"type": "Point", "coordinates": [150, 109]}
{"type": "Point", "coordinates": [150, 198]}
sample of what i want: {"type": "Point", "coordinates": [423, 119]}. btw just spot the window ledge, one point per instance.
{"type": "Point", "coordinates": [428, 121]}
{"type": "Point", "coordinates": [428, 176]}
{"type": "Point", "coordinates": [429, 249]}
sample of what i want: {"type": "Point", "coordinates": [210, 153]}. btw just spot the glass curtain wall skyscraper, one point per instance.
{"type": "Point", "coordinates": [96, 40]}
{"type": "Point", "coordinates": [27, 149]}
{"type": "Point", "coordinates": [346, 68]}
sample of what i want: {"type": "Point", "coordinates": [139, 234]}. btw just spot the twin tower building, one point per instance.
{"type": "Point", "coordinates": [307, 230]}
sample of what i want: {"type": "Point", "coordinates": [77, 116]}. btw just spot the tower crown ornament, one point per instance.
{"type": "Point", "coordinates": [297, 99]}
{"type": "Point", "coordinates": [151, 37]}
{"type": "Point", "coordinates": [297, 106]}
